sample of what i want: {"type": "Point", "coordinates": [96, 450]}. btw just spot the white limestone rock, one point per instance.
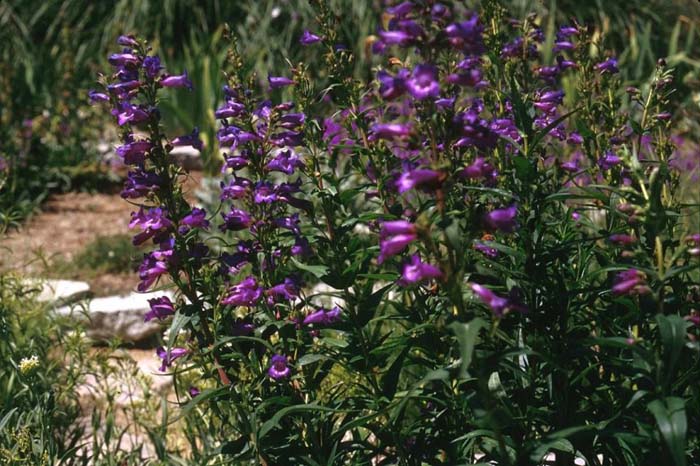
{"type": "Point", "coordinates": [117, 317]}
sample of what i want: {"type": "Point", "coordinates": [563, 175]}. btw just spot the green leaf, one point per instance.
{"type": "Point", "coordinates": [274, 422]}
{"type": "Point", "coordinates": [672, 329]}
{"type": "Point", "coordinates": [391, 379]}
{"type": "Point", "coordinates": [318, 271]}
{"type": "Point", "coordinates": [673, 425]}
{"type": "Point", "coordinates": [562, 445]}
{"type": "Point", "coordinates": [309, 359]}
{"type": "Point", "coordinates": [467, 336]}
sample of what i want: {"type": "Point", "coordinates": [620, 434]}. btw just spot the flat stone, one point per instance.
{"type": "Point", "coordinates": [187, 157]}
{"type": "Point", "coordinates": [118, 317]}
{"type": "Point", "coordinates": [58, 292]}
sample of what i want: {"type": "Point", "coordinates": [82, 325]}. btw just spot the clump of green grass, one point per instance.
{"type": "Point", "coordinates": [106, 254]}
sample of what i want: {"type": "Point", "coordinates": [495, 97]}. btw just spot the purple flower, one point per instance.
{"type": "Point", "coordinates": [630, 282]}
{"type": "Point", "coordinates": [242, 328]}
{"type": "Point", "coordinates": [154, 265]}
{"type": "Point", "coordinates": [417, 271]}
{"type": "Point", "coordinates": [160, 309]}
{"type": "Point", "coordinates": [323, 317]}
{"type": "Point", "coordinates": [181, 80]}
{"type": "Point", "coordinates": [128, 113]}
{"type": "Point", "coordinates": [499, 305]}
{"type": "Point", "coordinates": [693, 243]}
{"type": "Point", "coordinates": [391, 87]}
{"type": "Point", "coordinates": [193, 391]}
{"type": "Point", "coordinates": [230, 109]}
{"type": "Point", "coordinates": [278, 367]}
{"type": "Point", "coordinates": [286, 161]}
{"type": "Point", "coordinates": [235, 220]}
{"type": "Point", "coordinates": [608, 66]}
{"type": "Point", "coordinates": [308, 38]}
{"type": "Point", "coordinates": [419, 178]}
{"type": "Point", "coordinates": [400, 38]}
{"type": "Point", "coordinates": [134, 153]}
{"type": "Point", "coordinates": [548, 101]}
{"type": "Point", "coordinates": [128, 41]}
{"type": "Point", "coordinates": [279, 81]}
{"type": "Point", "coordinates": [237, 188]}
{"type": "Point", "coordinates": [502, 219]}
{"type": "Point", "coordinates": [245, 293]}
{"type": "Point", "coordinates": [609, 160]}
{"type": "Point", "coordinates": [423, 82]}
{"type": "Point", "coordinates": [123, 59]}
{"type": "Point", "coordinates": [151, 66]}
{"type": "Point", "coordinates": [95, 96]}
{"type": "Point", "coordinates": [622, 239]}
{"type": "Point", "coordinates": [195, 219]}
{"type": "Point", "coordinates": [169, 356]}
{"type": "Point", "coordinates": [393, 245]}
{"type": "Point", "coordinates": [153, 222]}
{"type": "Point", "coordinates": [466, 35]}
{"type": "Point", "coordinates": [287, 290]}
{"type": "Point", "coordinates": [480, 168]}
{"type": "Point", "coordinates": [390, 130]}
{"type": "Point", "coordinates": [191, 139]}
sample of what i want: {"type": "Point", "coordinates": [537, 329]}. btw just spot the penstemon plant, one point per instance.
{"type": "Point", "coordinates": [476, 257]}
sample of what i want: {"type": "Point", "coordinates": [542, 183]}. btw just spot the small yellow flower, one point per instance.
{"type": "Point", "coordinates": [28, 365]}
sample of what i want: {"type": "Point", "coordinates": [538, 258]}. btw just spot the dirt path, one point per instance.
{"type": "Point", "coordinates": [63, 228]}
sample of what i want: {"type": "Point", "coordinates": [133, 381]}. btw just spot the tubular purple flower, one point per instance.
{"type": "Point", "coordinates": [309, 38]}
{"type": "Point", "coordinates": [245, 293]}
{"type": "Point", "coordinates": [278, 367]}
{"type": "Point", "coordinates": [622, 239]}
{"type": "Point", "coordinates": [279, 81]}
{"type": "Point", "coordinates": [95, 96]}
{"type": "Point", "coordinates": [140, 183]}
{"type": "Point", "coordinates": [608, 66]}
{"type": "Point", "coordinates": [286, 161]}
{"type": "Point", "coordinates": [397, 227]}
{"type": "Point", "coordinates": [235, 220]}
{"type": "Point", "coordinates": [160, 309]}
{"type": "Point", "coordinates": [197, 218]}
{"type": "Point", "coordinates": [134, 153]}
{"type": "Point", "coordinates": [153, 222]}
{"type": "Point", "coordinates": [391, 87]}
{"type": "Point", "coordinates": [191, 139]}
{"type": "Point", "coordinates": [423, 82]}
{"type": "Point", "coordinates": [693, 243]}
{"type": "Point", "coordinates": [400, 38]}
{"type": "Point", "coordinates": [151, 66]}
{"type": "Point", "coordinates": [416, 271]}
{"type": "Point", "coordinates": [394, 245]}
{"type": "Point", "coordinates": [630, 282]}
{"type": "Point", "coordinates": [419, 178]}
{"type": "Point", "coordinates": [124, 59]}
{"type": "Point", "coordinates": [390, 130]}
{"type": "Point", "coordinates": [287, 290]}
{"type": "Point", "coordinates": [127, 41]}
{"type": "Point", "coordinates": [128, 113]}
{"type": "Point", "coordinates": [323, 317]}
{"type": "Point", "coordinates": [181, 80]}
{"type": "Point", "coordinates": [168, 356]}
{"type": "Point", "coordinates": [466, 35]}
{"type": "Point", "coordinates": [499, 305]}
{"type": "Point", "coordinates": [502, 219]}
{"type": "Point", "coordinates": [609, 160]}
{"type": "Point", "coordinates": [230, 109]}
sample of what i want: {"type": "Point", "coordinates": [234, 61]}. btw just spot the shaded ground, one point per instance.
{"type": "Point", "coordinates": [48, 244]}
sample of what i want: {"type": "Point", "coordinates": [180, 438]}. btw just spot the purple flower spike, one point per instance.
{"type": "Point", "coordinates": [423, 82]}
{"type": "Point", "coordinates": [608, 66]}
{"type": "Point", "coordinates": [181, 80]}
{"type": "Point", "coordinates": [160, 309]}
{"type": "Point", "coordinates": [309, 38]}
{"type": "Point", "coordinates": [279, 81]}
{"type": "Point", "coordinates": [278, 367]}
{"type": "Point", "coordinates": [285, 161]}
{"type": "Point", "coordinates": [417, 271]}
{"type": "Point", "coordinates": [502, 219]}
{"type": "Point", "coordinates": [169, 356]}
{"type": "Point", "coordinates": [245, 293]}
